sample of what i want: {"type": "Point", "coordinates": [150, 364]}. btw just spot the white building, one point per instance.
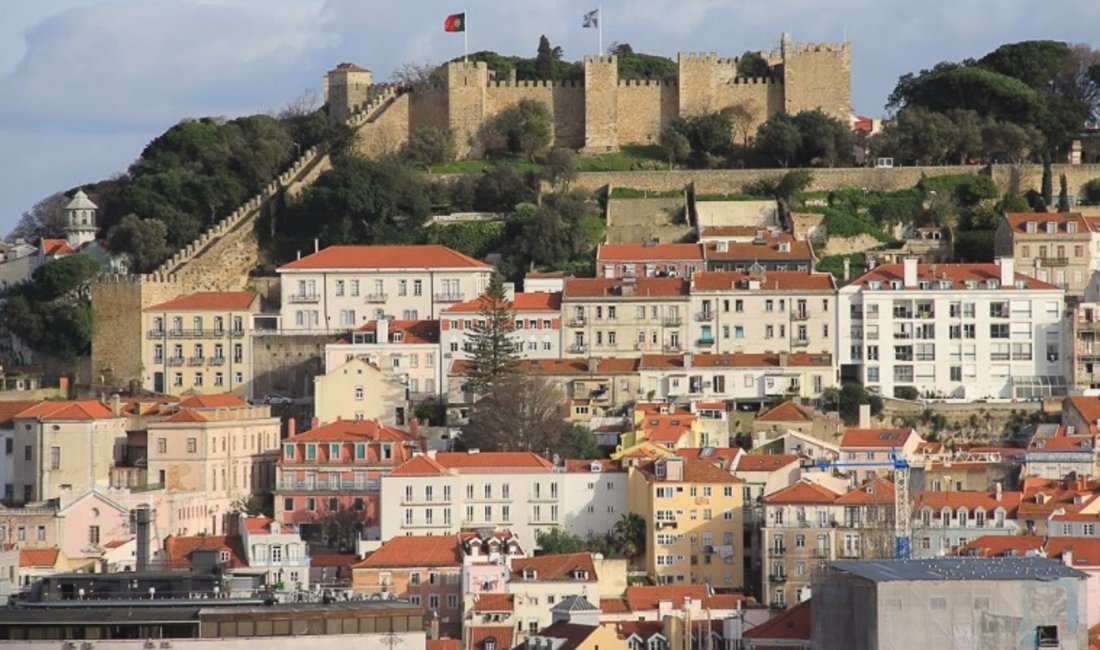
{"type": "Point", "coordinates": [281, 556]}
{"type": "Point", "coordinates": [409, 348]}
{"type": "Point", "coordinates": [537, 330]}
{"type": "Point", "coordinates": [443, 493]}
{"type": "Point", "coordinates": [341, 287]}
{"type": "Point", "coordinates": [953, 331]}
{"type": "Point", "coordinates": [753, 378]}
{"type": "Point", "coordinates": [594, 496]}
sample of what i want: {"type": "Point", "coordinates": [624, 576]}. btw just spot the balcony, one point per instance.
{"type": "Point", "coordinates": [672, 321]}
{"type": "Point", "coordinates": [705, 315]}
{"type": "Point", "coordinates": [376, 297]}
{"type": "Point", "coordinates": [1052, 261]}
{"type": "Point", "coordinates": [705, 341]}
{"type": "Point", "coordinates": [217, 361]}
{"type": "Point", "coordinates": [800, 342]}
{"type": "Point", "coordinates": [578, 348]}
{"type": "Point", "coordinates": [800, 315]}
{"type": "Point", "coordinates": [155, 334]}
{"type": "Point", "coordinates": [452, 296]}
{"type": "Point", "coordinates": [576, 321]}
{"type": "Point", "coordinates": [196, 361]}
{"type": "Point", "coordinates": [778, 551]}
{"type": "Point", "coordinates": [304, 298]}
{"type": "Point", "coordinates": [821, 552]}
{"type": "Point", "coordinates": [672, 347]}
{"type": "Point", "coordinates": [175, 361]}
{"type": "Point", "coordinates": [177, 333]}
{"type": "Point", "coordinates": [777, 577]}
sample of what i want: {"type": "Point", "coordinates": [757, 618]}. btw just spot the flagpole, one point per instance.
{"type": "Point", "coordinates": [599, 27]}
{"type": "Point", "coordinates": [465, 36]}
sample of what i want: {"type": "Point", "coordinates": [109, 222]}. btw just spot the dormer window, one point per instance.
{"type": "Point", "coordinates": [580, 574]}
{"type": "Point", "coordinates": [334, 451]}
{"type": "Point", "coordinates": [490, 643]}
{"type": "Point", "coordinates": [1051, 227]}
{"type": "Point", "coordinates": [398, 337]}
{"type": "Point", "coordinates": [530, 574]}
{"type": "Point", "coordinates": [1071, 228]}
{"type": "Point", "coordinates": [1031, 227]}
{"type": "Point", "coordinates": [223, 557]}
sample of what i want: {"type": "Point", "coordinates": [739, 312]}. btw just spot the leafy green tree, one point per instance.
{"type": "Point", "coordinates": [542, 237]}
{"type": "Point", "coordinates": [430, 146]}
{"type": "Point", "coordinates": [45, 219]}
{"type": "Point", "coordinates": [629, 534]}
{"type": "Point", "coordinates": [501, 187]}
{"type": "Point", "coordinates": [1013, 203]}
{"type": "Point", "coordinates": [779, 139]}
{"type": "Point", "coordinates": [527, 127]}
{"type": "Point", "coordinates": [753, 66]}
{"type": "Point", "coordinates": [823, 139]}
{"type": "Point", "coordinates": [848, 399]}
{"type": "Point", "coordinates": [560, 168]}
{"type": "Point", "coordinates": [558, 541]}
{"type": "Point", "coordinates": [1090, 191]}
{"type": "Point", "coordinates": [495, 353]}
{"type": "Point", "coordinates": [51, 312]}
{"type": "Point", "coordinates": [518, 413]}
{"type": "Point", "coordinates": [580, 443]}
{"type": "Point", "coordinates": [145, 240]}
{"type": "Point", "coordinates": [674, 144]}
{"type": "Point", "coordinates": [1047, 182]}
{"type": "Point", "coordinates": [709, 133]}
{"type": "Point", "coordinates": [1008, 141]}
{"type": "Point", "coordinates": [62, 277]}
{"type": "Point", "coordinates": [635, 65]}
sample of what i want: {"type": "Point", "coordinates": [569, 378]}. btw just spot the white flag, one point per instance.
{"type": "Point", "coordinates": [591, 19]}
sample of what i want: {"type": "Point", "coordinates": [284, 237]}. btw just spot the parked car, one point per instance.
{"type": "Point", "coordinates": [278, 399]}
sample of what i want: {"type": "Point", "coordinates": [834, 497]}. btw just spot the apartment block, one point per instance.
{"type": "Point", "coordinates": [964, 331]}
{"type": "Point", "coordinates": [649, 260]}
{"type": "Point", "coordinates": [341, 287]}
{"type": "Point", "coordinates": [199, 343]}
{"type": "Point", "coordinates": [693, 512]}
{"type": "Point", "coordinates": [748, 378]}
{"type": "Point", "coordinates": [361, 390]}
{"type": "Point", "coordinates": [944, 522]}
{"type": "Point", "coordinates": [1052, 247]}
{"type": "Point", "coordinates": [605, 317]}
{"type": "Point", "coordinates": [768, 312]}
{"type": "Point", "coordinates": [537, 332]}
{"type": "Point", "coordinates": [410, 349]}
{"type": "Point", "coordinates": [1084, 337]}
{"type": "Point", "coordinates": [769, 250]}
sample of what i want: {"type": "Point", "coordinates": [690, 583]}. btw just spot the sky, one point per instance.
{"type": "Point", "coordinates": [86, 84]}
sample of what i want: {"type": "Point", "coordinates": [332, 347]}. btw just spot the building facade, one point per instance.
{"type": "Point", "coordinates": [608, 317]}
{"type": "Point", "coordinates": [1052, 247]}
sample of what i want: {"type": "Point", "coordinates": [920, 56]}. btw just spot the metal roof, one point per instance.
{"type": "Point", "coordinates": [961, 568]}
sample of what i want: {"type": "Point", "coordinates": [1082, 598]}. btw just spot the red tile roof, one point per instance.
{"type": "Point", "coordinates": [426, 464]}
{"type": "Point", "coordinates": [1086, 550]}
{"type": "Point", "coordinates": [555, 568]}
{"type": "Point", "coordinates": [501, 636]}
{"type": "Point", "coordinates": [667, 428]}
{"type": "Point", "coordinates": [1056, 495]}
{"type": "Point", "coordinates": [614, 606]}
{"type": "Point", "coordinates": [580, 466]}
{"type": "Point", "coordinates": [874, 492]}
{"type": "Point", "coordinates": [769, 281]}
{"type": "Point", "coordinates": [643, 598]}
{"type": "Point", "coordinates": [797, 249]}
{"type": "Point", "coordinates": [794, 624]}
{"type": "Point", "coordinates": [332, 559]}
{"type": "Point", "coordinates": [442, 644]}
{"type": "Point", "coordinates": [877, 438]}
{"type": "Point", "coordinates": [957, 274]}
{"type": "Point", "coordinates": [760, 360]}
{"type": "Point", "coordinates": [8, 411]}
{"type": "Point", "coordinates": [646, 252]}
{"type": "Point", "coordinates": [412, 331]}
{"type": "Point", "coordinates": [415, 551]}
{"type": "Point", "coordinates": [179, 549]}
{"type": "Point", "coordinates": [695, 471]}
{"type": "Point", "coordinates": [1001, 546]}
{"type": "Point", "coordinates": [217, 400]}
{"type": "Point", "coordinates": [1062, 441]}
{"type": "Point", "coordinates": [722, 457]}
{"type": "Point", "coordinates": [424, 256]}
{"type": "Point", "coordinates": [209, 300]}
{"type": "Point", "coordinates": [490, 602]}
{"type": "Point", "coordinates": [765, 462]}
{"type": "Point", "coordinates": [185, 415]}
{"type": "Point", "coordinates": [611, 287]}
{"type": "Point", "coordinates": [969, 499]}
{"type": "Point", "coordinates": [802, 492]}
{"type": "Point", "coordinates": [38, 557]}
{"type": "Point", "coordinates": [1089, 410]}
{"type": "Point", "coordinates": [355, 431]}
{"type": "Point", "coordinates": [522, 302]}
{"type": "Point", "coordinates": [65, 410]}
{"type": "Point", "coordinates": [258, 525]}
{"type": "Point", "coordinates": [1018, 222]}
{"type": "Point", "coordinates": [787, 411]}
{"type": "Point", "coordinates": [730, 231]}
{"type": "Point", "coordinates": [56, 247]}
{"type": "Point", "coordinates": [574, 366]}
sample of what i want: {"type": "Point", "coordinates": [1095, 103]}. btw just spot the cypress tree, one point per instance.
{"type": "Point", "coordinates": [545, 66]}
{"type": "Point", "coordinates": [1063, 194]}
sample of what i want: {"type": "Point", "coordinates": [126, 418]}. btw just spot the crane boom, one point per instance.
{"type": "Point", "coordinates": [903, 522]}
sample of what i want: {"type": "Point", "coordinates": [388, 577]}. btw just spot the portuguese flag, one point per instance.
{"type": "Point", "coordinates": [455, 23]}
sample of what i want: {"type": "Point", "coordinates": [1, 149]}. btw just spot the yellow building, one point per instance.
{"type": "Point", "coordinates": [694, 509]}
{"type": "Point", "coordinates": [199, 343]}
{"type": "Point", "coordinates": [360, 390]}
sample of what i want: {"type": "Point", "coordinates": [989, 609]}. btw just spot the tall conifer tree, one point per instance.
{"type": "Point", "coordinates": [495, 354]}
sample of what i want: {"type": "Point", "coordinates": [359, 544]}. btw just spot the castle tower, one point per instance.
{"type": "Point", "coordinates": [467, 85]}
{"type": "Point", "coordinates": [601, 85]}
{"type": "Point", "coordinates": [698, 81]}
{"type": "Point", "coordinates": [80, 225]}
{"type": "Point", "coordinates": [347, 87]}
{"type": "Point", "coordinates": [817, 75]}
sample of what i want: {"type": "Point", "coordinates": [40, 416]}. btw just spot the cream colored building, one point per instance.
{"type": "Point", "coordinates": [748, 378]}
{"type": "Point", "coordinates": [360, 390]}
{"type": "Point", "coordinates": [605, 317]}
{"type": "Point", "coordinates": [537, 332]}
{"type": "Point", "coordinates": [1052, 247]}
{"type": "Point", "coordinates": [342, 287]}
{"type": "Point", "coordinates": [695, 514]}
{"type": "Point", "coordinates": [769, 312]}
{"type": "Point", "coordinates": [539, 583]}
{"type": "Point", "coordinates": [64, 444]}
{"type": "Point", "coordinates": [409, 348]}
{"type": "Point", "coordinates": [217, 445]}
{"type": "Point", "coordinates": [199, 343]}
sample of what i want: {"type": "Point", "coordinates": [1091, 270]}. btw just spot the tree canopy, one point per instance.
{"type": "Point", "coordinates": [51, 312]}
{"type": "Point", "coordinates": [527, 127]}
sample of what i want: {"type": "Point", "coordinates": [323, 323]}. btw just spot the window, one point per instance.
{"type": "Point", "coordinates": [192, 445]}
{"type": "Point", "coordinates": [93, 534]}
{"type": "Point", "coordinates": [55, 457]}
{"type": "Point", "coordinates": [418, 287]}
{"type": "Point", "coordinates": [402, 287]}
{"type": "Point", "coordinates": [162, 445]}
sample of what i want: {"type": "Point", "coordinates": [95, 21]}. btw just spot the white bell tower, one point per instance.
{"type": "Point", "coordinates": [80, 226]}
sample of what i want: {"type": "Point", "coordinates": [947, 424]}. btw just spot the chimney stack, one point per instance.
{"type": "Point", "coordinates": [414, 426]}
{"type": "Point", "coordinates": [510, 291]}
{"type": "Point", "coordinates": [141, 516]}
{"type": "Point", "coordinates": [291, 428]}
{"type": "Point", "coordinates": [382, 331]}
{"type": "Point", "coordinates": [847, 269]}
{"type": "Point", "coordinates": [1008, 271]}
{"type": "Point", "coordinates": [909, 268]}
{"type": "Point", "coordinates": [864, 416]}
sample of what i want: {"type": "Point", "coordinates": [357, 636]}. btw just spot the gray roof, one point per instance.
{"type": "Point", "coordinates": [80, 201]}
{"type": "Point", "coordinates": [958, 568]}
{"type": "Point", "coordinates": [574, 604]}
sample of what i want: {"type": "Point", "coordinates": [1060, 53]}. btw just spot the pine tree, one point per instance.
{"type": "Point", "coordinates": [494, 352]}
{"type": "Point", "coordinates": [545, 62]}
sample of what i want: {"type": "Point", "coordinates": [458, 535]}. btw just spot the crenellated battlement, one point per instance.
{"type": "Point", "coordinates": [834, 48]}
{"type": "Point", "coordinates": [539, 83]}
{"type": "Point", "coordinates": [647, 82]}
{"type": "Point", "coordinates": [601, 59]}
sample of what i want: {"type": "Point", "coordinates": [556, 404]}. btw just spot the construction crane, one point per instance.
{"type": "Point", "coordinates": [903, 511]}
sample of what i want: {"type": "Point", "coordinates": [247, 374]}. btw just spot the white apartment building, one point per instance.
{"type": "Point", "coordinates": [772, 311]}
{"type": "Point", "coordinates": [341, 287]}
{"type": "Point", "coordinates": [279, 554]}
{"type": "Point", "coordinates": [410, 349]}
{"type": "Point", "coordinates": [605, 317]}
{"type": "Point", "coordinates": [537, 329]}
{"type": "Point", "coordinates": [754, 378]}
{"type": "Point", "coordinates": [967, 331]}
{"type": "Point", "coordinates": [594, 496]}
{"type": "Point", "coordinates": [443, 493]}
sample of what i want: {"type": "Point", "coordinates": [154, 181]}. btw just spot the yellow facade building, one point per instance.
{"type": "Point", "coordinates": [694, 514]}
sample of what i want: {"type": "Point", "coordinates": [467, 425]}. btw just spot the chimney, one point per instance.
{"type": "Point", "coordinates": [63, 385]}
{"type": "Point", "coordinates": [847, 269]}
{"type": "Point", "coordinates": [909, 272]}
{"type": "Point", "coordinates": [314, 423]}
{"type": "Point", "coordinates": [997, 490]}
{"type": "Point", "coordinates": [316, 244]}
{"type": "Point", "coordinates": [382, 331]}
{"type": "Point", "coordinates": [116, 405]}
{"type": "Point", "coordinates": [1067, 556]}
{"type": "Point", "coordinates": [864, 416]}
{"type": "Point", "coordinates": [414, 426]}
{"type": "Point", "coordinates": [140, 517]}
{"type": "Point", "coordinates": [1008, 271]}
{"type": "Point", "coordinates": [784, 359]}
{"type": "Point", "coordinates": [510, 291]}
{"type": "Point", "coordinates": [291, 428]}
{"type": "Point", "coordinates": [433, 632]}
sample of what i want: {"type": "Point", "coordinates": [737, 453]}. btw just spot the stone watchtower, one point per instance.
{"type": "Point", "coordinates": [467, 104]}
{"type": "Point", "coordinates": [80, 225]}
{"type": "Point", "coordinates": [347, 88]}
{"type": "Point", "coordinates": [601, 98]}
{"type": "Point", "coordinates": [817, 75]}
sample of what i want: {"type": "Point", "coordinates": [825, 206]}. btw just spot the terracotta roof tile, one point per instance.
{"type": "Point", "coordinates": [332, 559]}
{"type": "Point", "coordinates": [8, 411]}
{"type": "Point", "coordinates": [179, 549]}
{"type": "Point", "coordinates": [765, 462]}
{"type": "Point", "coordinates": [760, 360]}
{"type": "Point", "coordinates": [722, 457]}
{"type": "Point", "coordinates": [490, 602]}
{"type": "Point", "coordinates": [1086, 550]}
{"type": "Point", "coordinates": [797, 249]}
{"type": "Point", "coordinates": [185, 415]}
{"type": "Point", "coordinates": [424, 256]}
{"type": "Point", "coordinates": [611, 287]}
{"type": "Point", "coordinates": [217, 400]}
{"type": "Point", "coordinates": [1062, 441]}
{"type": "Point", "coordinates": [38, 557]}
{"type": "Point", "coordinates": [66, 410]}
{"type": "Point", "coordinates": [1001, 546]}
{"type": "Point", "coordinates": [354, 431]}
{"type": "Point", "coordinates": [878, 438]}
{"type": "Point", "coordinates": [555, 568]}
{"type": "Point", "coordinates": [258, 525]}
{"type": "Point", "coordinates": [957, 274]}
{"type": "Point", "coordinates": [581, 466]}
{"type": "Point", "coordinates": [645, 252]}
{"type": "Point", "coordinates": [794, 624]}
{"type": "Point", "coordinates": [210, 300]}
{"type": "Point", "coordinates": [786, 411]}
{"type": "Point", "coordinates": [572, 635]}
{"type": "Point", "coordinates": [643, 598]}
{"type": "Point", "coordinates": [415, 551]}
{"type": "Point", "coordinates": [695, 471]}
{"type": "Point", "coordinates": [522, 302]}
{"type": "Point", "coordinates": [769, 281]}
{"type": "Point", "coordinates": [802, 492]}
{"type": "Point", "coordinates": [614, 606]}
{"type": "Point", "coordinates": [876, 491]}
{"type": "Point", "coordinates": [412, 331]}
{"type": "Point", "coordinates": [1088, 408]}
{"type": "Point", "coordinates": [442, 644]}
{"type": "Point", "coordinates": [969, 499]}
{"type": "Point", "coordinates": [667, 428]}
{"type": "Point", "coordinates": [1018, 222]}
{"type": "Point", "coordinates": [426, 464]}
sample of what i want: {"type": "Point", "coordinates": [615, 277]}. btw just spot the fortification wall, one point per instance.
{"type": "Point", "coordinates": [286, 364]}
{"type": "Point", "coordinates": [818, 76]}
{"type": "Point", "coordinates": [565, 100]}
{"type": "Point", "coordinates": [117, 337]}
{"type": "Point", "coordinates": [762, 97]}
{"type": "Point", "coordinates": [428, 107]}
{"type": "Point", "coordinates": [466, 88]}
{"type": "Point", "coordinates": [601, 106]}
{"type": "Point", "coordinates": [644, 108]}
{"type": "Point", "coordinates": [386, 128]}
{"type": "Point", "coordinates": [1021, 178]}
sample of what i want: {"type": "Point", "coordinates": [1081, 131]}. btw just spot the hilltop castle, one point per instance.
{"type": "Point", "coordinates": [602, 113]}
